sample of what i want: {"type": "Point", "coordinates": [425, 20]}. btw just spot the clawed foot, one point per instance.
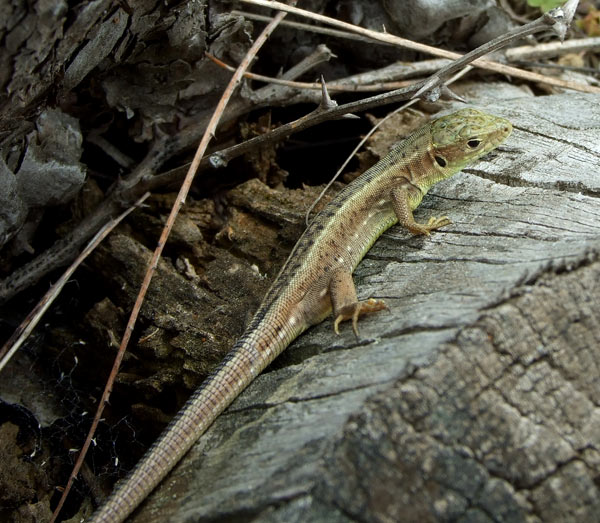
{"type": "Point", "coordinates": [432, 225]}
{"type": "Point", "coordinates": [355, 310]}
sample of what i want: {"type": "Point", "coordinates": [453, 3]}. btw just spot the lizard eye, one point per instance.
{"type": "Point", "coordinates": [440, 161]}
{"type": "Point", "coordinates": [473, 143]}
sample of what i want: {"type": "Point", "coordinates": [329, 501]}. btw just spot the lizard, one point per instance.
{"type": "Point", "coordinates": [317, 279]}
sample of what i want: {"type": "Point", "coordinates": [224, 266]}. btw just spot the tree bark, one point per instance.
{"type": "Point", "coordinates": [475, 399]}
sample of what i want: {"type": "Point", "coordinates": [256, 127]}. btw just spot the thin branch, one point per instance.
{"type": "Point", "coordinates": [561, 67]}
{"type": "Point", "coordinates": [33, 318]}
{"type": "Point", "coordinates": [143, 178]}
{"type": "Point", "coordinates": [374, 35]}
{"type": "Point", "coordinates": [321, 54]}
{"type": "Point", "coordinates": [415, 46]}
{"type": "Point", "coordinates": [312, 28]}
{"type": "Point", "coordinates": [507, 7]}
{"type": "Point", "coordinates": [340, 86]}
{"type": "Point", "coordinates": [180, 200]}
{"type": "Point", "coordinates": [551, 49]}
{"type": "Point", "coordinates": [129, 188]}
{"type": "Point", "coordinates": [398, 71]}
{"type": "Point", "coordinates": [458, 75]}
{"type": "Point", "coordinates": [554, 19]}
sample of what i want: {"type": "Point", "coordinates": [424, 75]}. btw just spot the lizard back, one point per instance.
{"type": "Point", "coordinates": [304, 293]}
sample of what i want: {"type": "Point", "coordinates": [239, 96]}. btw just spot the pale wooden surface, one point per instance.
{"type": "Point", "coordinates": [475, 398]}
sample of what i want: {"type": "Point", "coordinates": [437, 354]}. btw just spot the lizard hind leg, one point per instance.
{"type": "Point", "coordinates": [345, 303]}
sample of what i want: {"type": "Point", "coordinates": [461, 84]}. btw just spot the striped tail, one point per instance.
{"type": "Point", "coordinates": [248, 357]}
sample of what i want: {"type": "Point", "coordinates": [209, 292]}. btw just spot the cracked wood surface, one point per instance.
{"type": "Point", "coordinates": [475, 398]}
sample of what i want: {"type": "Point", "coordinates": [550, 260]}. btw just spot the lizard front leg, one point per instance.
{"type": "Point", "coordinates": [345, 303]}
{"type": "Point", "coordinates": [406, 198]}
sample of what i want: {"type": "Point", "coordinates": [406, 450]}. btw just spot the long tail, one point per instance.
{"type": "Point", "coordinates": [249, 356]}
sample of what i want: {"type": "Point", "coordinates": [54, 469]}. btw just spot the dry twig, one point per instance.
{"type": "Point", "coordinates": [311, 28]}
{"type": "Point", "coordinates": [509, 10]}
{"type": "Point", "coordinates": [143, 178]}
{"type": "Point", "coordinates": [546, 21]}
{"type": "Point", "coordinates": [180, 200]}
{"type": "Point", "coordinates": [36, 314]}
{"type": "Point", "coordinates": [551, 49]}
{"type": "Point", "coordinates": [340, 86]}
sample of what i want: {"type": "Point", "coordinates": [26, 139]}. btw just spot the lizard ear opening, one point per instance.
{"type": "Point", "coordinates": [440, 161]}
{"type": "Point", "coordinates": [473, 143]}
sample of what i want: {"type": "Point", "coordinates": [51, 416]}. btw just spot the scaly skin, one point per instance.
{"type": "Point", "coordinates": [317, 278]}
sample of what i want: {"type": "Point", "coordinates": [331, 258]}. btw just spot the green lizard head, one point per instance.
{"type": "Point", "coordinates": [461, 137]}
